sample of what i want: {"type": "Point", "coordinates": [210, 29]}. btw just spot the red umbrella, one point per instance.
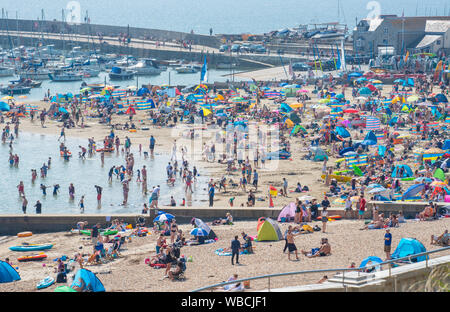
{"type": "Point", "coordinates": [351, 111]}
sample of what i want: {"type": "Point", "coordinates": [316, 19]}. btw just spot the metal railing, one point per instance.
{"type": "Point", "coordinates": [268, 276]}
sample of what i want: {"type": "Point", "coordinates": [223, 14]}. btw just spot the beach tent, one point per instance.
{"type": "Point", "coordinates": [142, 91]}
{"type": "Point", "coordinates": [439, 174]}
{"type": "Point", "coordinates": [370, 139]}
{"type": "Point", "coordinates": [371, 261]}
{"type": "Point", "coordinates": [441, 98]}
{"type": "Point", "coordinates": [200, 224]}
{"type": "Point", "coordinates": [407, 172]}
{"type": "Point", "coordinates": [7, 273]}
{"type": "Point", "coordinates": [63, 110]}
{"type": "Point", "coordinates": [342, 132]}
{"type": "Point", "coordinates": [4, 107]}
{"type": "Point", "coordinates": [319, 154]}
{"type": "Point", "coordinates": [287, 212]}
{"type": "Point", "coordinates": [269, 231]}
{"type": "Point", "coordinates": [413, 190]}
{"type": "Point", "coordinates": [88, 280]}
{"type": "Point", "coordinates": [409, 246]}
{"type": "Point", "coordinates": [286, 108]}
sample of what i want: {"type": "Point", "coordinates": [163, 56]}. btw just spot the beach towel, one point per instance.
{"type": "Point", "coordinates": [220, 252]}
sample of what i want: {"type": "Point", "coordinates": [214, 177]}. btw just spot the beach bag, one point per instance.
{"type": "Point", "coordinates": [61, 277]}
{"type": "Point", "coordinates": [246, 284]}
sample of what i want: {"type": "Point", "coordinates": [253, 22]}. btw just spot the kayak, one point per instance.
{"type": "Point", "coordinates": [108, 232]}
{"type": "Point", "coordinates": [24, 234]}
{"type": "Point", "coordinates": [46, 282]}
{"type": "Point", "coordinates": [32, 258]}
{"type": "Point", "coordinates": [31, 247]}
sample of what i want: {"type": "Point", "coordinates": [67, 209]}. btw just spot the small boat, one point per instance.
{"type": "Point", "coordinates": [40, 74]}
{"type": "Point", "coordinates": [31, 247]}
{"type": "Point", "coordinates": [187, 69]}
{"type": "Point", "coordinates": [64, 76]}
{"type": "Point", "coordinates": [32, 258]}
{"type": "Point", "coordinates": [6, 71]}
{"type": "Point", "coordinates": [89, 72]}
{"type": "Point", "coordinates": [118, 73]}
{"type": "Point", "coordinates": [46, 282]}
{"type": "Point", "coordinates": [16, 90]}
{"type": "Point", "coordinates": [104, 233]}
{"type": "Point", "coordinates": [146, 67]}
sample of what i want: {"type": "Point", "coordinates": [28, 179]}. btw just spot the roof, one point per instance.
{"type": "Point", "coordinates": [437, 26]}
{"type": "Point", "coordinates": [374, 23]}
{"type": "Point", "coordinates": [428, 40]}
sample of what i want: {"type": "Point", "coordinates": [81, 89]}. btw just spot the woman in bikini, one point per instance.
{"type": "Point", "coordinates": [173, 231]}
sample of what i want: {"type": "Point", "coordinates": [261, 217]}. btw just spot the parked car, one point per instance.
{"type": "Point", "coordinates": [260, 49]}
{"type": "Point", "coordinates": [223, 48]}
{"type": "Point", "coordinates": [235, 48]}
{"type": "Point", "coordinates": [300, 67]}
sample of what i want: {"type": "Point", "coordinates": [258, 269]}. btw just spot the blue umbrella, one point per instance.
{"type": "Point", "coordinates": [199, 232]}
{"type": "Point", "coordinates": [163, 216]}
{"type": "Point", "coordinates": [413, 190]}
{"type": "Point", "coordinates": [365, 91]}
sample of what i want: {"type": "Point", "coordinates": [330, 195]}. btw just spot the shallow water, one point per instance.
{"type": "Point", "coordinates": [35, 149]}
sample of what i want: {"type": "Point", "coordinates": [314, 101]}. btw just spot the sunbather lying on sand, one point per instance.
{"type": "Point", "coordinates": [324, 250]}
{"type": "Point", "coordinates": [441, 239]}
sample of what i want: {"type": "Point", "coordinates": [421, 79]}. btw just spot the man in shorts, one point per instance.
{"type": "Point", "coordinates": [291, 244]}
{"type": "Point", "coordinates": [387, 244]}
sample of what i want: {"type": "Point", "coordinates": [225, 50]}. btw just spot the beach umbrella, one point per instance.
{"type": "Point", "coordinates": [199, 232]}
{"type": "Point", "coordinates": [302, 91]}
{"type": "Point", "coordinates": [340, 96]}
{"type": "Point", "coordinates": [130, 111]}
{"type": "Point", "coordinates": [85, 89]}
{"type": "Point", "coordinates": [374, 185]}
{"type": "Point", "coordinates": [365, 91]}
{"type": "Point", "coordinates": [8, 97]}
{"type": "Point", "coordinates": [377, 190]}
{"type": "Point", "coordinates": [162, 217]}
{"type": "Point", "coordinates": [413, 190]}
{"type": "Point", "coordinates": [296, 105]}
{"type": "Point", "coordinates": [375, 81]}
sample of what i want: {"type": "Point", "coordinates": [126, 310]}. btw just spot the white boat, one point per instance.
{"type": "Point", "coordinates": [90, 72]}
{"type": "Point", "coordinates": [187, 69]}
{"type": "Point", "coordinates": [146, 67]}
{"type": "Point", "coordinates": [6, 71]}
{"type": "Point", "coordinates": [39, 74]}
{"type": "Point", "coordinates": [63, 75]}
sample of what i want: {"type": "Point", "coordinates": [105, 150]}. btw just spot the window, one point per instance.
{"type": "Point", "coordinates": [386, 30]}
{"type": "Point", "coordinates": [438, 42]}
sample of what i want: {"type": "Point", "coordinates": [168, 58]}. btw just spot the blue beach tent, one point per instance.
{"type": "Point", "coordinates": [413, 190]}
{"type": "Point", "coordinates": [88, 280]}
{"type": "Point", "coordinates": [407, 172]}
{"type": "Point", "coordinates": [7, 273]}
{"type": "Point", "coordinates": [409, 246]}
{"type": "Point", "coordinates": [370, 139]}
{"type": "Point", "coordinates": [4, 107]}
{"type": "Point", "coordinates": [370, 261]}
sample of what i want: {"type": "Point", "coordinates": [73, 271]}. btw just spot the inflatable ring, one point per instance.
{"type": "Point", "coordinates": [340, 138]}
{"type": "Point", "coordinates": [24, 234]}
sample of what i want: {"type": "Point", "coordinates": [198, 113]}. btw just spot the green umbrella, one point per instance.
{"type": "Point", "coordinates": [64, 289]}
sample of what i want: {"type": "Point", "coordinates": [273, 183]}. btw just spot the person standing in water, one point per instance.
{"type": "Point", "coordinates": [144, 180]}
{"type": "Point", "coordinates": [71, 191]}
{"type": "Point", "coordinates": [38, 207]}
{"type": "Point", "coordinates": [21, 188]}
{"type": "Point", "coordinates": [99, 194]}
{"type": "Point", "coordinates": [24, 204]}
{"type": "Point", "coordinates": [62, 134]}
{"type": "Point", "coordinates": [81, 204]}
{"type": "Point", "coordinates": [152, 144]}
{"type": "Point", "coordinates": [126, 189]}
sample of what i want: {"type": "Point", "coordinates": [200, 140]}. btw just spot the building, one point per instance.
{"type": "Point", "coordinates": [393, 35]}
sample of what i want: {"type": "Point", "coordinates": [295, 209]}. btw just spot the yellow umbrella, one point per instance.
{"type": "Point", "coordinates": [220, 97]}
{"type": "Point", "coordinates": [7, 98]}
{"type": "Point", "coordinates": [403, 136]}
{"type": "Point", "coordinates": [206, 112]}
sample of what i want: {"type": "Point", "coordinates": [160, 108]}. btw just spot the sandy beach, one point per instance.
{"type": "Point", "coordinates": [348, 243]}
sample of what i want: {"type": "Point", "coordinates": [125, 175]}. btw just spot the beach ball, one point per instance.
{"type": "Point", "coordinates": [43, 264]}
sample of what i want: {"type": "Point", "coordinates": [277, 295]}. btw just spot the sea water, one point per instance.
{"type": "Point", "coordinates": [163, 78]}
{"type": "Point", "coordinates": [35, 149]}
{"type": "Point", "coordinates": [224, 17]}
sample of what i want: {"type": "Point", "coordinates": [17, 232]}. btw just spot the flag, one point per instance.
{"type": "Point", "coordinates": [406, 57]}
{"type": "Point", "coordinates": [204, 72]}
